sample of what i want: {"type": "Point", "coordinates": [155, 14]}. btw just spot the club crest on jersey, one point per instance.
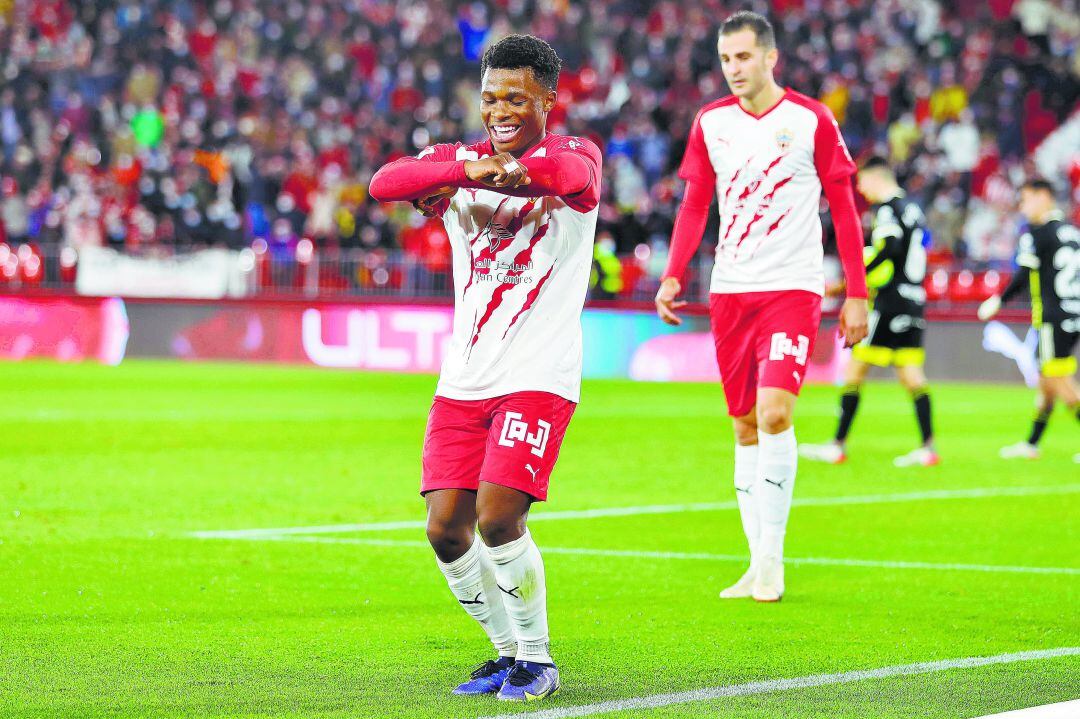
{"type": "Point", "coordinates": [784, 138]}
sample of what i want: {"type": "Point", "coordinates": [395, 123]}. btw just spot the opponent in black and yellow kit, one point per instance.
{"type": "Point", "coordinates": [895, 270]}
{"type": "Point", "coordinates": [1048, 266]}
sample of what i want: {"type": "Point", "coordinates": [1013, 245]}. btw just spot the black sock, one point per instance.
{"type": "Point", "coordinates": [922, 413]}
{"type": "Point", "coordinates": [849, 402]}
{"type": "Point", "coordinates": [1039, 425]}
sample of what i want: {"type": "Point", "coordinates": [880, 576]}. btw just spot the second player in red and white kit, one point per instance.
{"type": "Point", "coordinates": [766, 154]}
{"type": "Point", "coordinates": [520, 209]}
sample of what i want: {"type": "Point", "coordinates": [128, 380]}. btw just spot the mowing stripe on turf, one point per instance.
{"type": "Point", "coordinates": [974, 493]}
{"type": "Point", "coordinates": [642, 554]}
{"type": "Point", "coordinates": [657, 701]}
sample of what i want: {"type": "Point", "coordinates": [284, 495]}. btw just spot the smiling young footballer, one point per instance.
{"type": "Point", "coordinates": [520, 209]}
{"type": "Point", "coordinates": [767, 154]}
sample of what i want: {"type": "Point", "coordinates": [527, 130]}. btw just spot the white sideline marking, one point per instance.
{"type": "Point", "coordinates": [1061, 710]}
{"type": "Point", "coordinates": [974, 493]}
{"type": "Point", "coordinates": [640, 554]}
{"type": "Point", "coordinates": [656, 701]}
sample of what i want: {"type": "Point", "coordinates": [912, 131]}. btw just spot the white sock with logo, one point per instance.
{"type": "Point", "coordinates": [472, 580]}
{"type": "Point", "coordinates": [778, 458]}
{"type": "Point", "coordinates": [746, 465]}
{"type": "Point", "coordinates": [519, 570]}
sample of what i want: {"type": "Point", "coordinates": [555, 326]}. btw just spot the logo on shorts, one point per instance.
{"type": "Point", "coordinates": [783, 347]}
{"type": "Point", "coordinates": [532, 471]}
{"type": "Point", "coordinates": [516, 429]}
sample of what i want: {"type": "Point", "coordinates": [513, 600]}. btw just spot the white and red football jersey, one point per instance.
{"type": "Point", "coordinates": [768, 171]}
{"type": "Point", "coordinates": [521, 272]}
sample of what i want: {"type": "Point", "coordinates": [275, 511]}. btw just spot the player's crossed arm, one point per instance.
{"type": "Point", "coordinates": [498, 171]}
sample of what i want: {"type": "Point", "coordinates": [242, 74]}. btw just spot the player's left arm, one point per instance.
{"type": "Point", "coordinates": [886, 237]}
{"type": "Point", "coordinates": [1026, 260]}
{"type": "Point", "coordinates": [835, 168]}
{"type": "Point", "coordinates": [570, 170]}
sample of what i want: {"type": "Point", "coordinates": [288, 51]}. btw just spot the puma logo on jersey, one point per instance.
{"type": "Point", "coordinates": [532, 471]}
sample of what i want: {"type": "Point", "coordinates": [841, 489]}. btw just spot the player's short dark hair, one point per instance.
{"type": "Point", "coordinates": [748, 20]}
{"type": "Point", "coordinates": [1038, 184]}
{"type": "Point", "coordinates": [515, 51]}
{"type": "Point", "coordinates": [876, 162]}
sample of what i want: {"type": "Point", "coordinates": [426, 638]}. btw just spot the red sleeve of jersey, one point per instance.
{"type": "Point", "coordinates": [413, 178]}
{"type": "Point", "coordinates": [570, 169]}
{"type": "Point", "coordinates": [690, 223]}
{"type": "Point", "coordinates": [696, 164]}
{"type": "Point", "coordinates": [831, 156]}
{"type": "Point", "coordinates": [849, 241]}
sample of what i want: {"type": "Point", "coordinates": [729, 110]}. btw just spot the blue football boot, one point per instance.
{"type": "Point", "coordinates": [487, 678]}
{"type": "Point", "coordinates": [529, 681]}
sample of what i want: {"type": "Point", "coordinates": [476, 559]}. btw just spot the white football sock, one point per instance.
{"type": "Point", "coordinates": [472, 580]}
{"type": "Point", "coordinates": [519, 570]}
{"type": "Point", "coordinates": [778, 458]}
{"type": "Point", "coordinates": [746, 464]}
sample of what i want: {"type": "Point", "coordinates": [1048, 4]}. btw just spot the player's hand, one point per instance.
{"type": "Point", "coordinates": [426, 205]}
{"type": "Point", "coordinates": [666, 302]}
{"type": "Point", "coordinates": [836, 289]}
{"type": "Point", "coordinates": [500, 170]}
{"type": "Point", "coordinates": [853, 321]}
{"type": "Point", "coordinates": [990, 307]}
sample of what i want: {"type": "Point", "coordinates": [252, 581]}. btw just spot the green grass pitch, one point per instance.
{"type": "Point", "coordinates": [109, 607]}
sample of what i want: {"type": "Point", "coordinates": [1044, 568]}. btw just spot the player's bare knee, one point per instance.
{"type": "Point", "coordinates": [498, 528]}
{"type": "Point", "coordinates": [448, 540]}
{"type": "Point", "coordinates": [745, 434]}
{"type": "Point", "coordinates": [774, 419]}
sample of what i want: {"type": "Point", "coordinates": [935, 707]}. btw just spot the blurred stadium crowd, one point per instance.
{"type": "Point", "coordinates": [145, 124]}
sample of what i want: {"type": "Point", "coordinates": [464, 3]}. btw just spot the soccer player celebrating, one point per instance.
{"type": "Point", "coordinates": [520, 209]}
{"type": "Point", "coordinates": [1049, 267]}
{"type": "Point", "coordinates": [767, 152]}
{"type": "Point", "coordinates": [896, 267]}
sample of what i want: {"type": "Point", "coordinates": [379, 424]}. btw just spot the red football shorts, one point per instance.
{"type": "Point", "coordinates": [763, 339]}
{"type": "Point", "coordinates": [512, 441]}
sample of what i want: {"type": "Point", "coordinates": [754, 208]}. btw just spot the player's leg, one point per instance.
{"type": "Point", "coordinates": [786, 330]}
{"type": "Point", "coordinates": [1044, 407]}
{"type": "Point", "coordinates": [1066, 391]}
{"type": "Point", "coordinates": [835, 452]}
{"type": "Point", "coordinates": [733, 337]}
{"type": "Point", "coordinates": [1061, 371]}
{"type": "Point", "coordinates": [1056, 364]}
{"type": "Point", "coordinates": [777, 464]}
{"type": "Point", "coordinates": [746, 463]}
{"type": "Point", "coordinates": [913, 378]}
{"type": "Point", "coordinates": [526, 433]}
{"type": "Point", "coordinates": [453, 450]}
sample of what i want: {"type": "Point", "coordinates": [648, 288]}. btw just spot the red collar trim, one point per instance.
{"type": "Point", "coordinates": [779, 102]}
